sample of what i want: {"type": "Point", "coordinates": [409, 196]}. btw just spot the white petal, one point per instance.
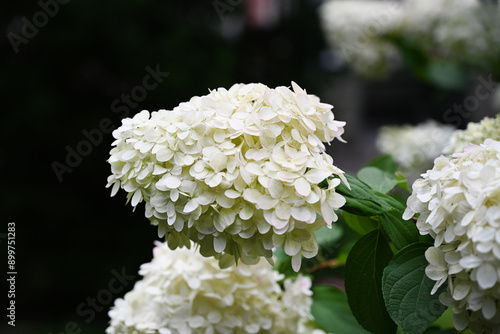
{"type": "Point", "coordinates": [302, 187]}
{"type": "Point", "coordinates": [461, 290]}
{"type": "Point", "coordinates": [191, 206]}
{"type": "Point", "coordinates": [224, 201]}
{"type": "Point", "coordinates": [471, 261]}
{"type": "Point", "coordinates": [292, 247]}
{"type": "Point", "coordinates": [136, 198]}
{"type": "Point", "coordinates": [266, 113]}
{"type": "Point", "coordinates": [206, 198]}
{"type": "Point", "coordinates": [461, 320]}
{"type": "Point", "coordinates": [283, 211]}
{"type": "Point", "coordinates": [220, 243]}
{"type": "Point", "coordinates": [296, 262]}
{"type": "Point", "coordinates": [486, 276]}
{"type": "Point", "coordinates": [302, 213]}
{"type": "Point", "coordinates": [231, 193]}
{"type": "Point", "coordinates": [128, 155]}
{"type": "Point", "coordinates": [489, 308]}
{"type": "Point", "coordinates": [435, 273]}
{"type": "Point", "coordinates": [218, 161]}
{"type": "Point", "coordinates": [254, 169]}
{"type": "Point", "coordinates": [171, 181]}
{"type": "Point", "coordinates": [315, 176]}
{"type": "Point", "coordinates": [435, 257]}
{"type": "Point", "coordinates": [275, 188]}
{"type": "Point", "coordinates": [266, 202]}
{"type": "Point", "coordinates": [246, 213]}
{"type": "Point", "coordinates": [267, 139]}
{"type": "Point", "coordinates": [251, 195]}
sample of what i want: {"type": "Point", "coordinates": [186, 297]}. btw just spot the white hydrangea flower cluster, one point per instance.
{"type": "Point", "coordinates": [465, 31]}
{"type": "Point", "coordinates": [414, 148]}
{"type": "Point", "coordinates": [353, 28]}
{"type": "Point", "coordinates": [183, 292]}
{"type": "Point", "coordinates": [236, 171]}
{"type": "Point", "coordinates": [475, 133]}
{"type": "Point", "coordinates": [459, 206]}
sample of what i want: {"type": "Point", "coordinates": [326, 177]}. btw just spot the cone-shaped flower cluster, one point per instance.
{"type": "Point", "coordinates": [183, 292]}
{"type": "Point", "coordinates": [459, 206]}
{"type": "Point", "coordinates": [235, 171]}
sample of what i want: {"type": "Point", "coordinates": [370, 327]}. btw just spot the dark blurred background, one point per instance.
{"type": "Point", "coordinates": [68, 66]}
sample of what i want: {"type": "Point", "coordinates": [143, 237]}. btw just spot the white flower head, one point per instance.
{"type": "Point", "coordinates": [369, 33]}
{"type": "Point", "coordinates": [182, 292]}
{"type": "Point", "coordinates": [476, 133]}
{"type": "Point", "coordinates": [236, 171]}
{"type": "Point", "coordinates": [459, 206]}
{"type": "Point", "coordinates": [414, 148]}
{"type": "Point", "coordinates": [354, 30]}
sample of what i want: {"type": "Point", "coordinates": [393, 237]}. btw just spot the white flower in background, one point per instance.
{"type": "Point", "coordinates": [182, 292]}
{"type": "Point", "coordinates": [459, 206]}
{"type": "Point", "coordinates": [414, 148]}
{"type": "Point", "coordinates": [475, 133]}
{"type": "Point", "coordinates": [366, 32]}
{"type": "Point", "coordinates": [235, 171]}
{"type": "Point", "coordinates": [467, 31]}
{"type": "Point", "coordinates": [354, 29]}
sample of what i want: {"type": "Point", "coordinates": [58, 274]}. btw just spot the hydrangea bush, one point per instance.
{"type": "Point", "coordinates": [440, 39]}
{"type": "Point", "coordinates": [182, 292]}
{"type": "Point", "coordinates": [235, 171]}
{"type": "Point", "coordinates": [242, 174]}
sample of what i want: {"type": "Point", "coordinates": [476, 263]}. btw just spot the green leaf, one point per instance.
{"type": "Point", "coordinates": [331, 311]}
{"type": "Point", "coordinates": [327, 236]}
{"type": "Point", "coordinates": [360, 224]}
{"type": "Point", "coordinates": [361, 199]}
{"type": "Point", "coordinates": [407, 290]}
{"type": "Point", "coordinates": [377, 179]}
{"type": "Point", "coordinates": [390, 201]}
{"type": "Point", "coordinates": [384, 162]}
{"type": "Point", "coordinates": [402, 181]}
{"type": "Point", "coordinates": [363, 282]}
{"type": "Point", "coordinates": [401, 232]}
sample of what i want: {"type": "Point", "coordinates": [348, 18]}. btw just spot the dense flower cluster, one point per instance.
{"type": "Point", "coordinates": [475, 133]}
{"type": "Point", "coordinates": [236, 171]}
{"type": "Point", "coordinates": [414, 147]}
{"type": "Point", "coordinates": [353, 28]}
{"type": "Point", "coordinates": [368, 32]}
{"type": "Point", "coordinates": [183, 292]}
{"type": "Point", "coordinates": [459, 206]}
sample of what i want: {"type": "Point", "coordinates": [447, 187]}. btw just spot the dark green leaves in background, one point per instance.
{"type": "Point", "coordinates": [331, 311]}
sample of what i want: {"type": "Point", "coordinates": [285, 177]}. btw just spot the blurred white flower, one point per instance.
{"type": "Point", "coordinates": [368, 33]}
{"type": "Point", "coordinates": [414, 148]}
{"type": "Point", "coordinates": [183, 292]}
{"type": "Point", "coordinates": [459, 206]}
{"type": "Point", "coordinates": [476, 133]}
{"type": "Point", "coordinates": [354, 29]}
{"type": "Point", "coordinates": [235, 171]}
{"type": "Point", "coordinates": [467, 31]}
